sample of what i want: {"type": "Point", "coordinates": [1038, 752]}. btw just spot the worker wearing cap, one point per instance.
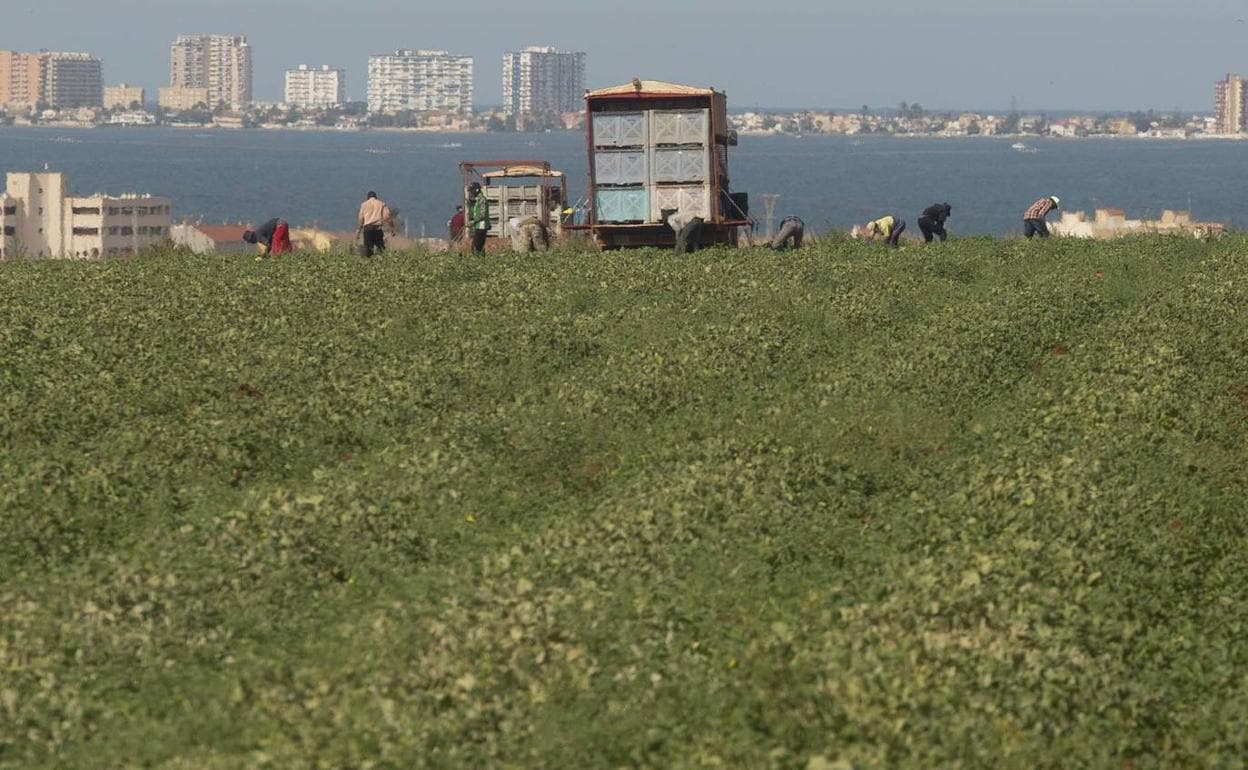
{"type": "Point", "coordinates": [478, 217]}
{"type": "Point", "coordinates": [889, 228]}
{"type": "Point", "coordinates": [374, 216]}
{"type": "Point", "coordinates": [1033, 220]}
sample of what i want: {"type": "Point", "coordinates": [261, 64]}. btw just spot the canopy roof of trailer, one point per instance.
{"type": "Point", "coordinates": [522, 170]}
{"type": "Point", "coordinates": [650, 88]}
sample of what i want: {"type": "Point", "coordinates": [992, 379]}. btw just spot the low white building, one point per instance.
{"type": "Point", "coordinates": [39, 218]}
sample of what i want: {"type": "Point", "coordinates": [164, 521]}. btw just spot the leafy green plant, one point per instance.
{"type": "Point", "coordinates": [976, 506]}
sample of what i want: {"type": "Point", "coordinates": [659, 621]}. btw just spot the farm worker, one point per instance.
{"type": "Point", "coordinates": [688, 230]}
{"type": "Point", "coordinates": [478, 216]}
{"type": "Point", "coordinates": [455, 226]}
{"type": "Point", "coordinates": [932, 223]}
{"type": "Point", "coordinates": [270, 238]}
{"type": "Point", "coordinates": [889, 228]}
{"type": "Point", "coordinates": [1033, 220]}
{"type": "Point", "coordinates": [528, 234]}
{"type": "Point", "coordinates": [790, 235]}
{"type": "Point", "coordinates": [374, 215]}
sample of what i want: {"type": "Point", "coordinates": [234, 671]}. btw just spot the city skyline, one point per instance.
{"type": "Point", "coordinates": [1068, 55]}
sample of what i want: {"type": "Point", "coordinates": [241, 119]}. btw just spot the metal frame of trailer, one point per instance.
{"type": "Point", "coordinates": [647, 97]}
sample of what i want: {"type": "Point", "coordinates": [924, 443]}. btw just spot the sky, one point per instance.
{"type": "Point", "coordinates": [1095, 55]}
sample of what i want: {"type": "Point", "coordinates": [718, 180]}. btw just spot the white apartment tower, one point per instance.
{"type": "Point", "coordinates": [219, 63]}
{"type": "Point", "coordinates": [424, 81]}
{"type": "Point", "coordinates": [322, 88]}
{"type": "Point", "coordinates": [540, 79]}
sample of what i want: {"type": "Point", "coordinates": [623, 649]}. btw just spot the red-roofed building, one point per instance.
{"type": "Point", "coordinates": [207, 239]}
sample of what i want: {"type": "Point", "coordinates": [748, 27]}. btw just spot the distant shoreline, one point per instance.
{"type": "Point", "coordinates": [750, 134]}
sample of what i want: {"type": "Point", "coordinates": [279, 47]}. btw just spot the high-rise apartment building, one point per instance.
{"type": "Point", "coordinates": [20, 85]}
{"type": "Point", "coordinates": [539, 79]}
{"type": "Point", "coordinates": [322, 88]}
{"type": "Point", "coordinates": [72, 80]}
{"type": "Point", "coordinates": [1230, 102]}
{"type": "Point", "coordinates": [54, 79]}
{"type": "Point", "coordinates": [424, 81]}
{"type": "Point", "coordinates": [219, 63]}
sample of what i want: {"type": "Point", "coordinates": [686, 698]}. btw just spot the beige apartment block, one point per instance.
{"type": "Point", "coordinates": [40, 219]}
{"type": "Point", "coordinates": [20, 82]}
{"type": "Point", "coordinates": [1231, 105]}
{"type": "Point", "coordinates": [55, 79]}
{"type": "Point", "coordinates": [219, 63]}
{"type": "Point", "coordinates": [178, 98]}
{"type": "Point", "coordinates": [121, 96]}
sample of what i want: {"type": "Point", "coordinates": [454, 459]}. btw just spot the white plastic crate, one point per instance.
{"type": "Point", "coordinates": [621, 129]}
{"type": "Point", "coordinates": [667, 165]}
{"type": "Point", "coordinates": [620, 167]}
{"type": "Point", "coordinates": [679, 126]}
{"type": "Point", "coordinates": [694, 200]}
{"type": "Point", "coordinates": [622, 204]}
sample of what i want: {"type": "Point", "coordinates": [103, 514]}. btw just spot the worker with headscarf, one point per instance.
{"type": "Point", "coordinates": [888, 227]}
{"type": "Point", "coordinates": [528, 234]}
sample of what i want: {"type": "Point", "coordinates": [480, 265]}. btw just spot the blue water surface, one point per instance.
{"type": "Point", "coordinates": [321, 177]}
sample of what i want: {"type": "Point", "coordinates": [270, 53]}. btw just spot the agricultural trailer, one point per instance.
{"type": "Point", "coordinates": [654, 148]}
{"type": "Point", "coordinates": [517, 188]}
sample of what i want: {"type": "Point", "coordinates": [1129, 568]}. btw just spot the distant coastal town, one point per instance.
{"type": "Point", "coordinates": [210, 86]}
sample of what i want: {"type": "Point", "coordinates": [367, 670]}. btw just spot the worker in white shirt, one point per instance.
{"type": "Point", "coordinates": [375, 218]}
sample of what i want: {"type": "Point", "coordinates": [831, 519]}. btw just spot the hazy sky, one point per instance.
{"type": "Point", "coordinates": [1048, 54]}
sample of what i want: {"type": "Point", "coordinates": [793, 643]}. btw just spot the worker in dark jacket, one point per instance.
{"type": "Point", "coordinates": [932, 223]}
{"type": "Point", "coordinates": [271, 238]}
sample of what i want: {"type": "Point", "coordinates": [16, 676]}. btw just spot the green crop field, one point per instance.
{"type": "Point", "coordinates": [979, 505]}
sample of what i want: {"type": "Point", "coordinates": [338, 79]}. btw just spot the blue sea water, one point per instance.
{"type": "Point", "coordinates": [321, 177]}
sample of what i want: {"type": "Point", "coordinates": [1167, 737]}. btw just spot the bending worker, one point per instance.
{"type": "Point", "coordinates": [1033, 220]}
{"type": "Point", "coordinates": [528, 234]}
{"type": "Point", "coordinates": [688, 230]}
{"type": "Point", "coordinates": [270, 238]}
{"type": "Point", "coordinates": [374, 215]}
{"type": "Point", "coordinates": [932, 223]}
{"type": "Point", "coordinates": [889, 228]}
{"type": "Point", "coordinates": [790, 236]}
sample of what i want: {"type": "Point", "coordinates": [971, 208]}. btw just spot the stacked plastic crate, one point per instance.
{"type": "Point", "coordinates": [621, 167]}
{"type": "Point", "coordinates": [512, 200]}
{"type": "Point", "coordinates": [680, 161]}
